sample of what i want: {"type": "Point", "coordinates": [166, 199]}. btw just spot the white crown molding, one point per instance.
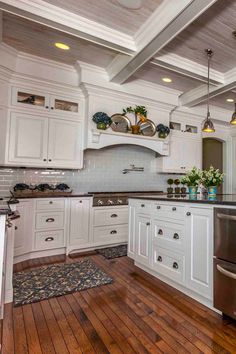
{"type": "Point", "coordinates": [8, 49]}
{"type": "Point", "coordinates": [44, 10]}
{"type": "Point", "coordinates": [230, 75]}
{"type": "Point", "coordinates": [159, 19]}
{"type": "Point", "coordinates": [185, 64]}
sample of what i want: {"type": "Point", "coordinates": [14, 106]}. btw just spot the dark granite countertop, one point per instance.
{"type": "Point", "coordinates": [4, 211]}
{"type": "Point", "coordinates": [222, 199]}
{"type": "Point", "coordinates": [51, 195]}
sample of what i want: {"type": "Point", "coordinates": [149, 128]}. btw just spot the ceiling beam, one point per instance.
{"type": "Point", "coordinates": [199, 95]}
{"type": "Point", "coordinates": [185, 12]}
{"type": "Point", "coordinates": [75, 25]}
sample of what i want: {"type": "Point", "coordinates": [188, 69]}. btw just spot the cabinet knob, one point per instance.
{"type": "Point", "coordinates": [142, 205]}
{"type": "Point", "coordinates": [160, 232]}
{"type": "Point", "coordinates": [46, 107]}
{"type": "Point", "coordinates": [44, 159]}
{"type": "Point", "coordinates": [148, 223]}
{"type": "Point", "coordinates": [80, 201]}
{"type": "Point", "coordinates": [50, 160]}
{"type": "Point", "coordinates": [50, 220]}
{"type": "Point", "coordinates": [16, 228]}
{"type": "Point", "coordinates": [174, 208]}
{"type": "Point", "coordinates": [176, 236]}
{"type": "Point", "coordinates": [48, 239]}
{"type": "Point", "coordinates": [114, 215]}
{"type": "Point", "coordinates": [52, 107]}
{"type": "Point", "coordinates": [50, 202]}
{"type": "Point", "coordinates": [113, 232]}
{"type": "Point", "coordinates": [175, 265]}
{"type": "Point", "coordinates": [158, 207]}
{"type": "Point", "coordinates": [159, 259]}
{"type": "Point", "coordinates": [188, 213]}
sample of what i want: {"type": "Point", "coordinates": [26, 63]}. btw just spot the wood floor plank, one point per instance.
{"type": "Point", "coordinates": [43, 331]}
{"type": "Point", "coordinates": [31, 331]}
{"type": "Point", "coordinates": [136, 314]}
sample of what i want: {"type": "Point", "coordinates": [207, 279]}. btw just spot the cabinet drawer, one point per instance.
{"type": "Point", "coordinates": [50, 204]}
{"type": "Point", "coordinates": [168, 235]}
{"type": "Point", "coordinates": [49, 220]}
{"type": "Point", "coordinates": [169, 264]}
{"type": "Point", "coordinates": [169, 211]}
{"type": "Point", "coordinates": [111, 216]}
{"type": "Point", "coordinates": [49, 239]}
{"type": "Point", "coordinates": [143, 207]}
{"type": "Point", "coordinates": [110, 234]}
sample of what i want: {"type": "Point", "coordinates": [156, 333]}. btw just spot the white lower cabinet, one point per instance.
{"type": "Point", "coordinates": [178, 250]}
{"type": "Point", "coordinates": [199, 250]}
{"type": "Point", "coordinates": [79, 222]}
{"type": "Point", "coordinates": [142, 237]}
{"type": "Point", "coordinates": [24, 228]}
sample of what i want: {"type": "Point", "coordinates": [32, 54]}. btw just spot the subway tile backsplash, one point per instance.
{"type": "Point", "coordinates": [102, 172]}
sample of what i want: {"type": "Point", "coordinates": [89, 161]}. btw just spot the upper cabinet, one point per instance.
{"type": "Point", "coordinates": [36, 141]}
{"type": "Point", "coordinates": [31, 99]}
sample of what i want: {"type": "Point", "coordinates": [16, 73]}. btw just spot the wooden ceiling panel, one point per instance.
{"type": "Point", "coordinates": [220, 100]}
{"type": "Point", "coordinates": [154, 73]}
{"type": "Point", "coordinates": [33, 38]}
{"type": "Point", "coordinates": [211, 30]}
{"type": "Point", "coordinates": [110, 13]}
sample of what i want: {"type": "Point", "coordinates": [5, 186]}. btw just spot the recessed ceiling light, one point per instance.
{"type": "Point", "coordinates": [166, 79]}
{"type": "Point", "coordinates": [62, 46]}
{"type": "Point", "coordinates": [130, 4]}
{"type": "Point", "coordinates": [230, 100]}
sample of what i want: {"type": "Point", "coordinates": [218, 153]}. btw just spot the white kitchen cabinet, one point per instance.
{"type": "Point", "coordinates": [199, 250]}
{"type": "Point", "coordinates": [28, 140]}
{"type": "Point", "coordinates": [131, 235]}
{"type": "Point", "coordinates": [184, 154]}
{"type": "Point", "coordinates": [36, 141]}
{"type": "Point", "coordinates": [23, 238]}
{"type": "Point", "coordinates": [142, 239]}
{"type": "Point", "coordinates": [79, 223]}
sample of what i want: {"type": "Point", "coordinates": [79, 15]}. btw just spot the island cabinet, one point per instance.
{"type": "Point", "coordinates": [174, 242]}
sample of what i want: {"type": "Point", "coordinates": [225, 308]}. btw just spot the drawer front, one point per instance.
{"type": "Point", "coordinates": [50, 204]}
{"type": "Point", "coordinates": [110, 234]}
{"type": "Point", "coordinates": [111, 216]}
{"type": "Point", "coordinates": [169, 235]}
{"type": "Point", "coordinates": [169, 211]}
{"type": "Point", "coordinates": [49, 239]}
{"type": "Point", "coordinates": [144, 207]}
{"type": "Point", "coordinates": [169, 264]}
{"type": "Point", "coordinates": [49, 220]}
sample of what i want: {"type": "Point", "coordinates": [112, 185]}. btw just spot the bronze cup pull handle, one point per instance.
{"type": "Point", "coordinates": [50, 220]}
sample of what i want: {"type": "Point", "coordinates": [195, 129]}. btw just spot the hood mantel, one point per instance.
{"type": "Point", "coordinates": [99, 139]}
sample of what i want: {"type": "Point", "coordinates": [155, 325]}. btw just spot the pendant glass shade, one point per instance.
{"type": "Point", "coordinates": [233, 119]}
{"type": "Point", "coordinates": [208, 126]}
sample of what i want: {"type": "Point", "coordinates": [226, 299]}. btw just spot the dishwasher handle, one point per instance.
{"type": "Point", "coordinates": [226, 216]}
{"type": "Point", "coordinates": [225, 272]}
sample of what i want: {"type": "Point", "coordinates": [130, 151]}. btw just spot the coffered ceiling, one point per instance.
{"type": "Point", "coordinates": [110, 12]}
{"type": "Point", "coordinates": [161, 38]}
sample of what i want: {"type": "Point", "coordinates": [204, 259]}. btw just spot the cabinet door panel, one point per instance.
{"type": "Point", "coordinates": [131, 240]}
{"type": "Point", "coordinates": [65, 145]}
{"type": "Point", "coordinates": [28, 139]}
{"type": "Point", "coordinates": [199, 238]}
{"type": "Point", "coordinates": [142, 230]}
{"type": "Point", "coordinates": [23, 242]}
{"type": "Point", "coordinates": [174, 161]}
{"type": "Point", "coordinates": [192, 154]}
{"type": "Point", "coordinates": [79, 222]}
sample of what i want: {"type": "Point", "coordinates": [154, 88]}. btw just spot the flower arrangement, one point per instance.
{"type": "Point", "coordinates": [102, 120]}
{"type": "Point", "coordinates": [137, 110]}
{"type": "Point", "coordinates": [163, 130]}
{"type": "Point", "coordinates": [192, 178]}
{"type": "Point", "coordinates": [212, 177]}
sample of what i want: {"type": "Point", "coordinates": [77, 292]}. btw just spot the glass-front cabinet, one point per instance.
{"type": "Point", "coordinates": [25, 98]}
{"type": "Point", "coordinates": [182, 127]}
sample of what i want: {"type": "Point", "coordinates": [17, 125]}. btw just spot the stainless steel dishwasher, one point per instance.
{"type": "Point", "coordinates": [225, 261]}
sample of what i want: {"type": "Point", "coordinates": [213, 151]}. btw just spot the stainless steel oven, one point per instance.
{"type": "Point", "coordinates": [225, 261]}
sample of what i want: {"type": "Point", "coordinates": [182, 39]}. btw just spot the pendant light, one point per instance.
{"type": "Point", "coordinates": [207, 125]}
{"type": "Point", "coordinates": [233, 119]}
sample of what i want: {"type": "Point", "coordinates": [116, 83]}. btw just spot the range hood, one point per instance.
{"type": "Point", "coordinates": [98, 139]}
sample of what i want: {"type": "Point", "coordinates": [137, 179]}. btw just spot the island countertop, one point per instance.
{"type": "Point", "coordinates": [221, 199]}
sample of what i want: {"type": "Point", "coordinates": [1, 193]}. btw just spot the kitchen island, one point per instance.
{"type": "Point", "coordinates": [171, 237]}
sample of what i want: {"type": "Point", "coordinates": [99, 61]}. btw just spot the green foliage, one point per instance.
{"type": "Point", "coordinates": [177, 182]}
{"type": "Point", "coordinates": [136, 110]}
{"type": "Point", "coordinates": [170, 181]}
{"type": "Point", "coordinates": [211, 177]}
{"type": "Point", "coordinates": [192, 178]}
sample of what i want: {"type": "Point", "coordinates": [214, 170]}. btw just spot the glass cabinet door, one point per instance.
{"type": "Point", "coordinates": [30, 99]}
{"type": "Point", "coordinates": [63, 105]}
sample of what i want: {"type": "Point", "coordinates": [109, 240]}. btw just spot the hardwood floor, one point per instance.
{"type": "Point", "coordinates": [135, 314]}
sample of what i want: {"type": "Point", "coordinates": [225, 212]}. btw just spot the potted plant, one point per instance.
{"type": "Point", "coordinates": [140, 113]}
{"type": "Point", "coordinates": [177, 183]}
{"type": "Point", "coordinates": [192, 179]}
{"type": "Point", "coordinates": [211, 179]}
{"type": "Point", "coordinates": [170, 189]}
{"type": "Point", "coordinates": [183, 189]}
{"type": "Point", "coordinates": [163, 131]}
{"type": "Point", "coordinates": [102, 120]}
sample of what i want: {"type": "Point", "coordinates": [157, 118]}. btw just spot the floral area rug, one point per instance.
{"type": "Point", "coordinates": [113, 252]}
{"type": "Point", "coordinates": [56, 280]}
